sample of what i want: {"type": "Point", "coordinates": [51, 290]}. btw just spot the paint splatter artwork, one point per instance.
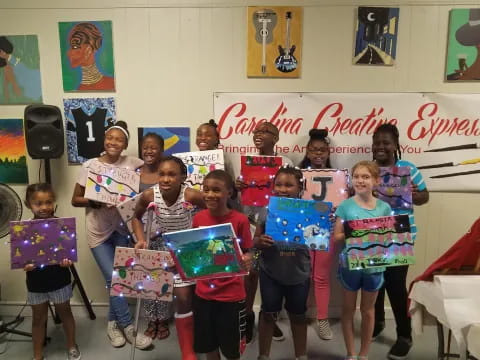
{"type": "Point", "coordinates": [395, 187]}
{"type": "Point", "coordinates": [199, 164]}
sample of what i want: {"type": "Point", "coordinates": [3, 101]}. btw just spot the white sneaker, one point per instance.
{"type": "Point", "coordinates": [115, 334]}
{"type": "Point", "coordinates": [74, 353]}
{"type": "Point", "coordinates": [142, 342]}
{"type": "Point", "coordinates": [323, 329]}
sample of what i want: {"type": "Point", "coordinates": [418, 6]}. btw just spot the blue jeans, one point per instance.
{"type": "Point", "coordinates": [104, 254]}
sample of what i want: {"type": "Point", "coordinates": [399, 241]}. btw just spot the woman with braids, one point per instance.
{"type": "Point", "coordinates": [317, 156]}
{"type": "Point", "coordinates": [386, 152]}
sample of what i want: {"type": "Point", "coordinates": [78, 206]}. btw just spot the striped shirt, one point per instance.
{"type": "Point", "coordinates": [172, 218]}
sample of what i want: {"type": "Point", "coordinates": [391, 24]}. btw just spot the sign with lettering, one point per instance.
{"type": "Point", "coordinates": [395, 187]}
{"type": "Point", "coordinates": [379, 242]}
{"type": "Point", "coordinates": [199, 164]}
{"type": "Point", "coordinates": [326, 185]}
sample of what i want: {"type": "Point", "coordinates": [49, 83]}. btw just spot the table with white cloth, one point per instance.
{"type": "Point", "coordinates": [454, 301]}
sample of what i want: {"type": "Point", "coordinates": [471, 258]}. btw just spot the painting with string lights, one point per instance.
{"type": "Point", "coordinates": [42, 242]}
{"type": "Point", "coordinates": [205, 253]}
{"type": "Point", "coordinates": [142, 274]}
{"type": "Point", "coordinates": [378, 242]}
{"type": "Point", "coordinates": [110, 184]}
{"type": "Point", "coordinates": [298, 221]}
{"type": "Point", "coordinates": [329, 185]}
{"type": "Point", "coordinates": [258, 173]}
{"type": "Point", "coordinates": [199, 164]}
{"type": "Point", "coordinates": [394, 187]}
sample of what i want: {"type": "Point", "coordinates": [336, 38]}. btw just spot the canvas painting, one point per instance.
{"type": "Point", "coordinates": [274, 41]}
{"type": "Point", "coordinates": [126, 209]}
{"type": "Point", "coordinates": [142, 274]}
{"type": "Point", "coordinates": [463, 58]}
{"type": "Point", "coordinates": [258, 173]}
{"type": "Point", "coordinates": [299, 221]}
{"type": "Point", "coordinates": [395, 187]}
{"type": "Point", "coordinates": [177, 139]}
{"type": "Point", "coordinates": [42, 242]}
{"type": "Point", "coordinates": [205, 253]}
{"type": "Point", "coordinates": [376, 36]}
{"type": "Point", "coordinates": [20, 81]}
{"type": "Point", "coordinates": [13, 160]}
{"type": "Point", "coordinates": [329, 185]}
{"type": "Point", "coordinates": [111, 184]}
{"type": "Point", "coordinates": [86, 120]}
{"type": "Point", "coordinates": [86, 49]}
{"type": "Point", "coordinates": [379, 242]}
{"type": "Point", "coordinates": [199, 164]}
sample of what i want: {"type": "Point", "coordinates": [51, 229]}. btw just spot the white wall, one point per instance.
{"type": "Point", "coordinates": [171, 56]}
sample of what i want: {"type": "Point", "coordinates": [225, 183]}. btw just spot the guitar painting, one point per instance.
{"type": "Point", "coordinates": [264, 21]}
{"type": "Point", "coordinates": [286, 62]}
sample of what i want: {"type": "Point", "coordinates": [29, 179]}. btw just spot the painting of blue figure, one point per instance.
{"type": "Point", "coordinates": [177, 139]}
{"type": "Point", "coordinates": [376, 36]}
{"type": "Point", "coordinates": [298, 221]}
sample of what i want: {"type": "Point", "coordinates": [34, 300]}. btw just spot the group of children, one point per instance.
{"type": "Point", "coordinates": [216, 316]}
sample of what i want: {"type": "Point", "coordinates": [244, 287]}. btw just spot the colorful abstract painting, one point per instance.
{"type": "Point", "coordinates": [42, 242]}
{"type": "Point", "coordinates": [177, 139]}
{"type": "Point", "coordinates": [13, 160]}
{"type": "Point", "coordinates": [329, 185]}
{"type": "Point", "coordinates": [86, 49]}
{"type": "Point", "coordinates": [463, 58]}
{"type": "Point", "coordinates": [258, 173]}
{"type": "Point", "coordinates": [85, 123]}
{"type": "Point", "coordinates": [376, 36]}
{"type": "Point", "coordinates": [395, 187]}
{"type": "Point", "coordinates": [110, 184]}
{"type": "Point", "coordinates": [205, 253]}
{"type": "Point", "coordinates": [299, 221]}
{"type": "Point", "coordinates": [199, 164]}
{"type": "Point", "coordinates": [20, 81]}
{"type": "Point", "coordinates": [142, 274]}
{"type": "Point", "coordinates": [379, 242]}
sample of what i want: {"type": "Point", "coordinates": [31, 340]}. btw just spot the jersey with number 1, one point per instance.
{"type": "Point", "coordinates": [90, 132]}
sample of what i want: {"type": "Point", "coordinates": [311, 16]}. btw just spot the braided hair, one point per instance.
{"type": "Point", "coordinates": [179, 162]}
{"type": "Point", "coordinates": [393, 131]}
{"type": "Point", "coordinates": [316, 134]}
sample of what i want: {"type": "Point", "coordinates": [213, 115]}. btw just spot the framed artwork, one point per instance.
{"type": "Point", "coordinates": [42, 242]}
{"type": "Point", "coordinates": [13, 159]}
{"type": "Point", "coordinates": [376, 36]}
{"type": "Point", "coordinates": [86, 49]}
{"type": "Point", "coordinates": [258, 172]}
{"type": "Point", "coordinates": [274, 41]}
{"type": "Point", "coordinates": [20, 81]}
{"type": "Point", "coordinates": [142, 274]}
{"type": "Point", "coordinates": [394, 187]}
{"type": "Point", "coordinates": [199, 164]}
{"type": "Point", "coordinates": [177, 139]}
{"type": "Point", "coordinates": [299, 221]}
{"type": "Point", "coordinates": [205, 253]}
{"type": "Point", "coordinates": [379, 242]}
{"type": "Point", "coordinates": [330, 185]}
{"type": "Point", "coordinates": [85, 123]}
{"type": "Point", "coordinates": [111, 184]}
{"type": "Point", "coordinates": [463, 59]}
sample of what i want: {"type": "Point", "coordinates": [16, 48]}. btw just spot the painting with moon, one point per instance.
{"type": "Point", "coordinates": [376, 36]}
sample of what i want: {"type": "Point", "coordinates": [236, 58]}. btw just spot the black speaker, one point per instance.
{"type": "Point", "coordinates": [44, 131]}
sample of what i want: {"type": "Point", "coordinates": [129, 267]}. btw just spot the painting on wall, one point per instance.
{"type": "Point", "coordinates": [13, 160]}
{"type": "Point", "coordinates": [325, 185]}
{"type": "Point", "coordinates": [376, 36]}
{"type": "Point", "coordinates": [20, 81]}
{"type": "Point", "coordinates": [177, 139]}
{"type": "Point", "coordinates": [42, 242]}
{"type": "Point", "coordinates": [378, 242]}
{"type": "Point", "coordinates": [86, 49]}
{"type": "Point", "coordinates": [144, 274]}
{"type": "Point", "coordinates": [274, 46]}
{"type": "Point", "coordinates": [86, 120]}
{"type": "Point", "coordinates": [395, 187]}
{"type": "Point", "coordinates": [199, 164]}
{"type": "Point", "coordinates": [463, 58]}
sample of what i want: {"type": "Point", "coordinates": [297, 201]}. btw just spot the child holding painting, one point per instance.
{"type": "Point", "coordinates": [219, 304]}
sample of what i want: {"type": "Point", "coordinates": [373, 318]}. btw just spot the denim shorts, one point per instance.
{"type": "Point", "coordinates": [59, 296]}
{"type": "Point", "coordinates": [355, 280]}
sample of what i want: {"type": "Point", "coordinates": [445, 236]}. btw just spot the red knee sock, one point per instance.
{"type": "Point", "coordinates": [184, 325]}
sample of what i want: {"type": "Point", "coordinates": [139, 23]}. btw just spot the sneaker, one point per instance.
{"type": "Point", "coordinates": [323, 329]}
{"type": "Point", "coordinates": [250, 325]}
{"type": "Point", "coordinates": [74, 353]}
{"type": "Point", "coordinates": [115, 334]}
{"type": "Point", "coordinates": [142, 342]}
{"type": "Point", "coordinates": [277, 333]}
{"type": "Point", "coordinates": [378, 328]}
{"type": "Point", "coordinates": [400, 349]}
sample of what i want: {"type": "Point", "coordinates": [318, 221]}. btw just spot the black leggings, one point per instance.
{"type": "Point", "coordinates": [396, 287]}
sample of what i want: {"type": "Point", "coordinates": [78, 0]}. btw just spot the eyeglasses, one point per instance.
{"type": "Point", "coordinates": [263, 132]}
{"type": "Point", "coordinates": [317, 150]}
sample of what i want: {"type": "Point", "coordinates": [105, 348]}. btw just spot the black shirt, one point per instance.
{"type": "Point", "coordinates": [49, 278]}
